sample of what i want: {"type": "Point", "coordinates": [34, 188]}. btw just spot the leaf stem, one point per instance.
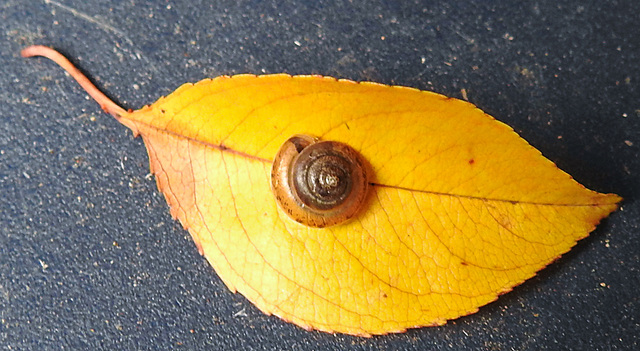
{"type": "Point", "coordinates": [105, 103]}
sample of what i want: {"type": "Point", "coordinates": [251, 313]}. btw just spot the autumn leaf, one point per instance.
{"type": "Point", "coordinates": [460, 208]}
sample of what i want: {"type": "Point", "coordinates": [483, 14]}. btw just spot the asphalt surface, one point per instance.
{"type": "Point", "coordinates": [91, 260]}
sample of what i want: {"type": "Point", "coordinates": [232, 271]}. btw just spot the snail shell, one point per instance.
{"type": "Point", "coordinates": [318, 183]}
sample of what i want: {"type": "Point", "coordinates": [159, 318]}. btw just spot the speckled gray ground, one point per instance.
{"type": "Point", "coordinates": [90, 258]}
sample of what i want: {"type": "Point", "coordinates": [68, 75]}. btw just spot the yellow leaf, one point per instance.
{"type": "Point", "coordinates": [461, 209]}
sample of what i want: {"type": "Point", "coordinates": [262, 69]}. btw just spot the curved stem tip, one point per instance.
{"type": "Point", "coordinates": [105, 103]}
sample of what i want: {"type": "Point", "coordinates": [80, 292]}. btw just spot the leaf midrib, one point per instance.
{"type": "Point", "coordinates": [225, 148]}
